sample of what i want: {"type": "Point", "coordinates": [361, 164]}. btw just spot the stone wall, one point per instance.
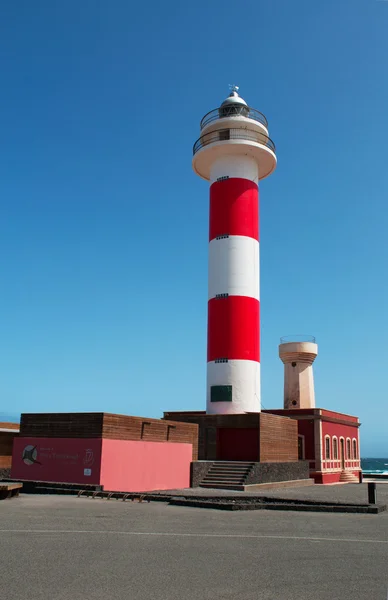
{"type": "Point", "coordinates": [199, 470]}
{"type": "Point", "coordinates": [260, 472]}
{"type": "Point", "coordinates": [272, 472]}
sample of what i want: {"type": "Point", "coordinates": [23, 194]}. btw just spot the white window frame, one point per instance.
{"type": "Point", "coordinates": [355, 454]}
{"type": "Point", "coordinates": [327, 437]}
{"type": "Point", "coordinates": [348, 447]}
{"type": "Point", "coordinates": [342, 458]}
{"type": "Point", "coordinates": [334, 438]}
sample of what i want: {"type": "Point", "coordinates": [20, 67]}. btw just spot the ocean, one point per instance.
{"type": "Point", "coordinates": [374, 465]}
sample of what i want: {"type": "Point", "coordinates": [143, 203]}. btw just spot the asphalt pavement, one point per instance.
{"type": "Point", "coordinates": [68, 548]}
{"type": "Point", "coordinates": [342, 493]}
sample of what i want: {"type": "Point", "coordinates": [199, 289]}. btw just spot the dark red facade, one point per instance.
{"type": "Point", "coordinates": [328, 440]}
{"type": "Point", "coordinates": [237, 444]}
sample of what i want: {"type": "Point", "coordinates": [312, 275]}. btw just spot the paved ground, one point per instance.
{"type": "Point", "coordinates": [354, 493]}
{"type": "Point", "coordinates": [67, 548]}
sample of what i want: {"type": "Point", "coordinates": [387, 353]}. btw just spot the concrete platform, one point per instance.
{"type": "Point", "coordinates": [266, 486]}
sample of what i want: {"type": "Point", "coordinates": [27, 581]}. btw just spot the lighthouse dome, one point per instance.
{"type": "Point", "coordinates": [234, 105]}
{"type": "Point", "coordinates": [234, 98]}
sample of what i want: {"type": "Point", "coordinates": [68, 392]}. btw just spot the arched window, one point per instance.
{"type": "Point", "coordinates": [327, 447]}
{"type": "Point", "coordinates": [335, 448]}
{"type": "Point", "coordinates": [348, 449]}
{"type": "Point", "coordinates": [355, 448]}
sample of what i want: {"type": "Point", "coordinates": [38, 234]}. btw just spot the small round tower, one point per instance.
{"type": "Point", "coordinates": [233, 153]}
{"type": "Point", "coordinates": [298, 354]}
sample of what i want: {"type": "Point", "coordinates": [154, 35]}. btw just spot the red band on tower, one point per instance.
{"type": "Point", "coordinates": [234, 208]}
{"type": "Point", "coordinates": [233, 328]}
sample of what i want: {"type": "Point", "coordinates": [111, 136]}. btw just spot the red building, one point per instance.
{"type": "Point", "coordinates": [117, 452]}
{"type": "Point", "coordinates": [329, 441]}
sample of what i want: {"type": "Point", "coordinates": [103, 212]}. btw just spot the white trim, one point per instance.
{"type": "Point", "coordinates": [235, 148]}
{"type": "Point", "coordinates": [241, 167]}
{"type": "Point", "coordinates": [318, 443]}
{"type": "Point", "coordinates": [348, 454]}
{"type": "Point", "coordinates": [335, 458]}
{"type": "Point", "coordinates": [327, 458]}
{"type": "Point", "coordinates": [357, 453]}
{"type": "Point", "coordinates": [342, 458]}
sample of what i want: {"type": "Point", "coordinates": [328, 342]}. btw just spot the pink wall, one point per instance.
{"type": "Point", "coordinates": [136, 466]}
{"type": "Point", "coordinates": [62, 460]}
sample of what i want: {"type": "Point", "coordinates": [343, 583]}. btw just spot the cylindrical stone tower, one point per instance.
{"type": "Point", "coordinates": [234, 152]}
{"type": "Point", "coordinates": [298, 356]}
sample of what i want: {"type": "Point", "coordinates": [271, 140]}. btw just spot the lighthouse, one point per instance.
{"type": "Point", "coordinates": [234, 152]}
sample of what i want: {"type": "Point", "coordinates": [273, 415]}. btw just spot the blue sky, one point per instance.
{"type": "Point", "coordinates": [103, 224]}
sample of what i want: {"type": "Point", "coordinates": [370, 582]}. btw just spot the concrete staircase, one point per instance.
{"type": "Point", "coordinates": [227, 475]}
{"type": "Point", "coordinates": [348, 477]}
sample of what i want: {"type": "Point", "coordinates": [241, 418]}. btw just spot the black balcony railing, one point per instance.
{"type": "Point", "coordinates": [234, 110]}
{"type": "Point", "coordinates": [223, 135]}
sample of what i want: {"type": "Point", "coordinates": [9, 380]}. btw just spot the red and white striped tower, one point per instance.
{"type": "Point", "coordinates": [234, 152]}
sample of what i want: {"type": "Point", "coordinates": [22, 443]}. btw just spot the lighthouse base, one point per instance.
{"type": "Point", "coordinates": [255, 437]}
{"type": "Point", "coordinates": [237, 451]}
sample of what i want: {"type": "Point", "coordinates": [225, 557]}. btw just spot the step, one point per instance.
{"type": "Point", "coordinates": [233, 467]}
{"type": "Point", "coordinates": [219, 476]}
{"type": "Point", "coordinates": [210, 476]}
{"type": "Point", "coordinates": [218, 486]}
{"type": "Point", "coordinates": [227, 469]}
{"type": "Point", "coordinates": [215, 476]}
{"type": "Point", "coordinates": [231, 481]}
{"type": "Point", "coordinates": [348, 478]}
{"type": "Point", "coordinates": [227, 475]}
{"type": "Point", "coordinates": [233, 463]}
{"type": "Point", "coordinates": [237, 467]}
{"type": "Point", "coordinates": [231, 471]}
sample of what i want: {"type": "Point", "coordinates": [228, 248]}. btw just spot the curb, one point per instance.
{"type": "Point", "coordinates": [234, 506]}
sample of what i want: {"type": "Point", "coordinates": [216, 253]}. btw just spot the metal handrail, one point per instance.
{"type": "Point", "coordinates": [222, 135]}
{"type": "Point", "coordinates": [233, 111]}
{"type": "Point", "coordinates": [297, 338]}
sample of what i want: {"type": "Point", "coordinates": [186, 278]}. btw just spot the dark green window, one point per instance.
{"type": "Point", "coordinates": [221, 393]}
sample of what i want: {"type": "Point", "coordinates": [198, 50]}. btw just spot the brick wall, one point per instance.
{"type": "Point", "coordinates": [278, 439]}
{"type": "Point", "coordinates": [278, 436]}
{"type": "Point", "coordinates": [107, 426]}
{"type": "Point", "coordinates": [6, 444]}
{"type": "Point", "coordinates": [208, 426]}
